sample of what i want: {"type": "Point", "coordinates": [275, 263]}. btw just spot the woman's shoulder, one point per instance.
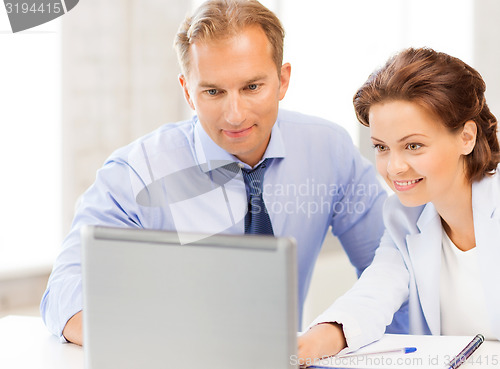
{"type": "Point", "coordinates": [486, 192]}
{"type": "Point", "coordinates": [490, 182]}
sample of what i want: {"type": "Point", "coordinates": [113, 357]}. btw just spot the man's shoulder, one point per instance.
{"type": "Point", "coordinates": [305, 124]}
{"type": "Point", "coordinates": [174, 134]}
{"type": "Point", "coordinates": [289, 117]}
{"type": "Point", "coordinates": [167, 137]}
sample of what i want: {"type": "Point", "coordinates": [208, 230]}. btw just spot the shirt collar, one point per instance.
{"type": "Point", "coordinates": [211, 156]}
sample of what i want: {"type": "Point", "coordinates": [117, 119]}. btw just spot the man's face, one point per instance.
{"type": "Point", "coordinates": [234, 87]}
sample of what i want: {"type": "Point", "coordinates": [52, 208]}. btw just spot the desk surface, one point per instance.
{"type": "Point", "coordinates": [26, 343]}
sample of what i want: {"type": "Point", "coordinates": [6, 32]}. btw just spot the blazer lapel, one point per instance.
{"type": "Point", "coordinates": [425, 253]}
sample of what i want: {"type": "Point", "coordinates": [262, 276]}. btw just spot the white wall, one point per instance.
{"type": "Point", "coordinates": [119, 82]}
{"type": "Point", "coordinates": [486, 46]}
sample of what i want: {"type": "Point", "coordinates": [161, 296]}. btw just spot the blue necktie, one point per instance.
{"type": "Point", "coordinates": [257, 219]}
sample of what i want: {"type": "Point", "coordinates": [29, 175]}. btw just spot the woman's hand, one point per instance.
{"type": "Point", "coordinates": [322, 340]}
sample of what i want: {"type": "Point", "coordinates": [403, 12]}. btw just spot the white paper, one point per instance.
{"type": "Point", "coordinates": [433, 352]}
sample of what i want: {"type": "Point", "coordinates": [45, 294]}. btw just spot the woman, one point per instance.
{"type": "Point", "coordinates": [437, 148]}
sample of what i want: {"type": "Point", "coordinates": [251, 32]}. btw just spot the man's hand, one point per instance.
{"type": "Point", "coordinates": [320, 341]}
{"type": "Point", "coordinates": [73, 329]}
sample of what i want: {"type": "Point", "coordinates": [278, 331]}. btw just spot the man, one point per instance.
{"type": "Point", "coordinates": [230, 54]}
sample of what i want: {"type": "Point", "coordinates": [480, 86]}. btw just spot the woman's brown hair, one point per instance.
{"type": "Point", "coordinates": [447, 87]}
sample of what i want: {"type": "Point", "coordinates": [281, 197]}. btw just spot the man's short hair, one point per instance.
{"type": "Point", "coordinates": [219, 19]}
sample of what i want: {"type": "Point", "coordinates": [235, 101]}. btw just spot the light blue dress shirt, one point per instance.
{"type": "Point", "coordinates": [176, 178]}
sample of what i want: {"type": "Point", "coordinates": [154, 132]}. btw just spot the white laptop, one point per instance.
{"type": "Point", "coordinates": [220, 302]}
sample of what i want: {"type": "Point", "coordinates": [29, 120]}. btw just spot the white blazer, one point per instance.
{"type": "Point", "coordinates": [407, 266]}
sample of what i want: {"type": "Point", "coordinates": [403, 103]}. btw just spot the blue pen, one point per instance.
{"type": "Point", "coordinates": [403, 350]}
{"type": "Point", "coordinates": [466, 352]}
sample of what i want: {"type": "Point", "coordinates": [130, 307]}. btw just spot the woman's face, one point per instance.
{"type": "Point", "coordinates": [419, 158]}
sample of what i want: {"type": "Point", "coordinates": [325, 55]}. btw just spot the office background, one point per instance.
{"type": "Point", "coordinates": [75, 89]}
